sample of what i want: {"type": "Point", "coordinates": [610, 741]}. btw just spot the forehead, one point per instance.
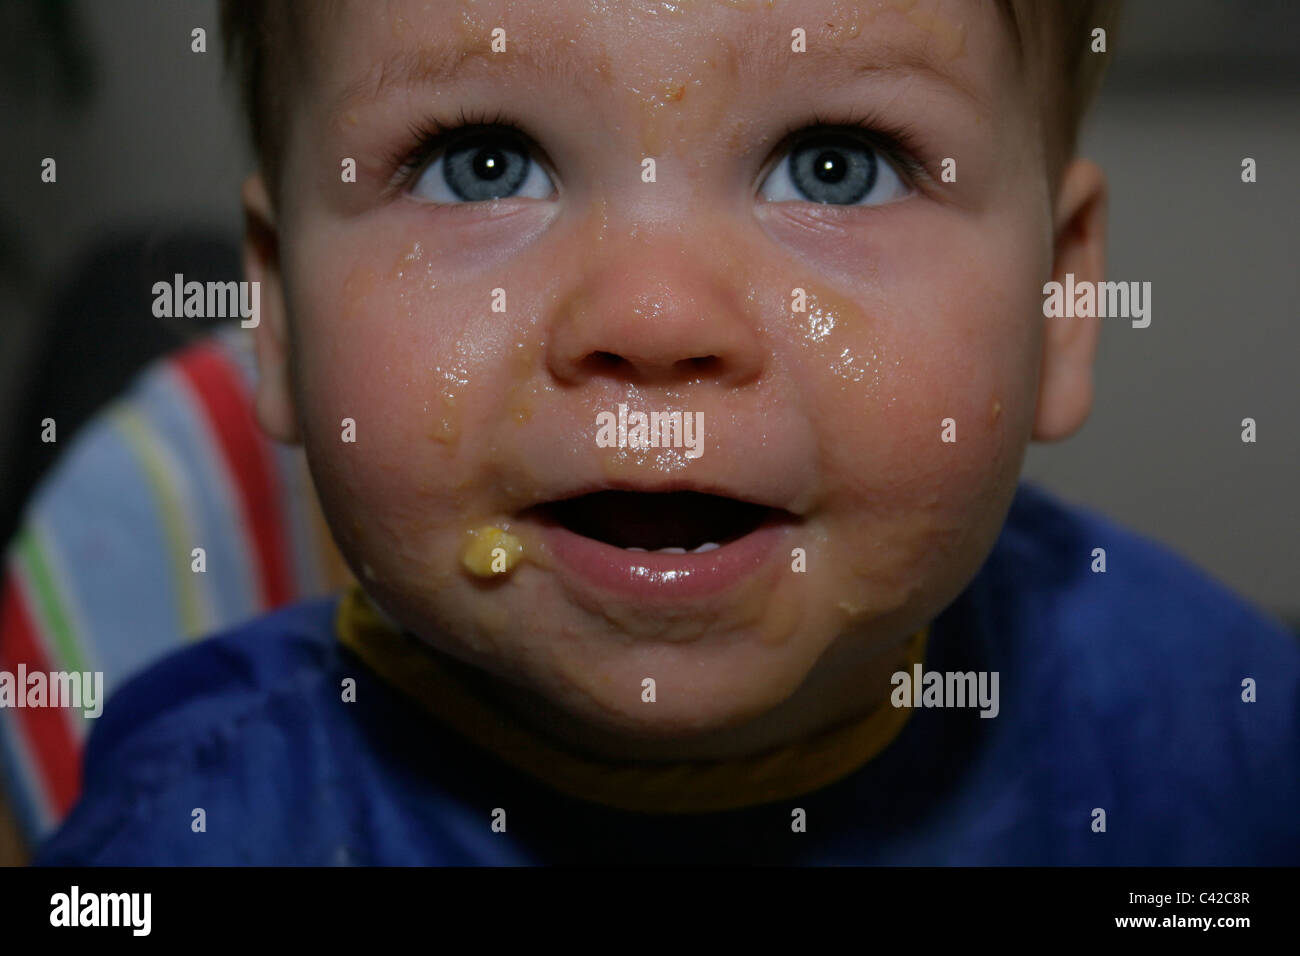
{"type": "Point", "coordinates": [374, 50]}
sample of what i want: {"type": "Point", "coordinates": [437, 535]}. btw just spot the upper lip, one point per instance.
{"type": "Point", "coordinates": [767, 460]}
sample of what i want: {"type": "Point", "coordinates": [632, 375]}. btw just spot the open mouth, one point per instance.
{"type": "Point", "coordinates": [677, 522]}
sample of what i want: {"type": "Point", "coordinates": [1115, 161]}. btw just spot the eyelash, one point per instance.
{"type": "Point", "coordinates": [898, 143]}
{"type": "Point", "coordinates": [431, 135]}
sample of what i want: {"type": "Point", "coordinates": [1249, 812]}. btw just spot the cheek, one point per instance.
{"type": "Point", "coordinates": [938, 340]}
{"type": "Point", "coordinates": [941, 326]}
{"type": "Point", "coordinates": [383, 341]}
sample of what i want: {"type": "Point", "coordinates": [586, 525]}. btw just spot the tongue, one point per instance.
{"type": "Point", "coordinates": [682, 519]}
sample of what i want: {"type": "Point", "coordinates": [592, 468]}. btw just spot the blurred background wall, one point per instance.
{"type": "Point", "coordinates": [1196, 86]}
{"type": "Point", "coordinates": [149, 144]}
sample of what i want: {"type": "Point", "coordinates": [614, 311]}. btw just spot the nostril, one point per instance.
{"type": "Point", "coordinates": [700, 365]}
{"type": "Point", "coordinates": [605, 361]}
{"type": "Point", "coordinates": [599, 362]}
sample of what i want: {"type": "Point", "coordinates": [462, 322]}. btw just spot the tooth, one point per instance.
{"type": "Point", "coordinates": [634, 549]}
{"type": "Point", "coordinates": [707, 546]}
{"type": "Point", "coordinates": [672, 551]}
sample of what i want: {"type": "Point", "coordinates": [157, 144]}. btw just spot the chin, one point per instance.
{"type": "Point", "coordinates": [674, 716]}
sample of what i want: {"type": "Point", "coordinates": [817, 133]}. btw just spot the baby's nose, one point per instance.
{"type": "Point", "coordinates": [659, 313]}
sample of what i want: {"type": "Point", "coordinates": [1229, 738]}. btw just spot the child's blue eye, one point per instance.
{"type": "Point", "coordinates": [834, 169]}
{"type": "Point", "coordinates": [480, 166]}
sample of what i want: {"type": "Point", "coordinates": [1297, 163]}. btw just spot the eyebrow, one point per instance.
{"type": "Point", "coordinates": [759, 57]}
{"type": "Point", "coordinates": [439, 63]}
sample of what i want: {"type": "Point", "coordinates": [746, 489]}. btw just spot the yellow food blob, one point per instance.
{"type": "Point", "coordinates": [491, 551]}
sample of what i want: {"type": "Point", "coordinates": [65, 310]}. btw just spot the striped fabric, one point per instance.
{"type": "Point", "coordinates": [100, 575]}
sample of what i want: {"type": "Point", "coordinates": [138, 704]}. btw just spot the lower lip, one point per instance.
{"type": "Point", "coordinates": [652, 577]}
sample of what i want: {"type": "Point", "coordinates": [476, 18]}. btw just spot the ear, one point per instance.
{"type": "Point", "coordinates": [275, 409]}
{"type": "Point", "coordinates": [1065, 385]}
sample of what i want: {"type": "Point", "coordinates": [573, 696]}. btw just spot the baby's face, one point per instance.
{"type": "Point", "coordinates": [823, 412]}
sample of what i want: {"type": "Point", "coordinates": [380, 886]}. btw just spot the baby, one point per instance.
{"type": "Point", "coordinates": [666, 370]}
